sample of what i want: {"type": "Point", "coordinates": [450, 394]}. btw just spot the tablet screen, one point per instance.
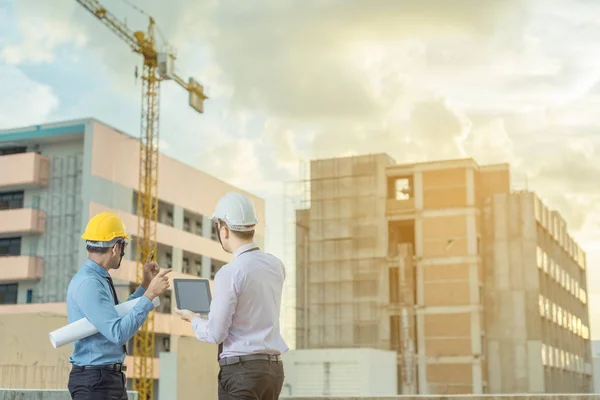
{"type": "Point", "coordinates": [193, 295]}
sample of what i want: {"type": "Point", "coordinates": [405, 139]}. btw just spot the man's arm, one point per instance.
{"type": "Point", "coordinates": [139, 292]}
{"type": "Point", "coordinates": [98, 306]}
{"type": "Point", "coordinates": [216, 328]}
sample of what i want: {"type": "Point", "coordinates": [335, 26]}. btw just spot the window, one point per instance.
{"type": "Point", "coordinates": [215, 266]}
{"type": "Point", "coordinates": [29, 296]}
{"type": "Point", "coordinates": [5, 151]}
{"type": "Point", "coordinates": [198, 269]}
{"type": "Point", "coordinates": [540, 257]}
{"type": "Point", "coordinates": [198, 229]}
{"type": "Point", "coordinates": [213, 232]}
{"type": "Point", "coordinates": [10, 247]}
{"type": "Point", "coordinates": [541, 303]}
{"type": "Point", "coordinates": [11, 200]}
{"type": "Point", "coordinates": [169, 220]}
{"type": "Point", "coordinates": [186, 224]}
{"type": "Point", "coordinates": [8, 294]}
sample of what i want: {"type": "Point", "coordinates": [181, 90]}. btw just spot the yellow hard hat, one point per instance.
{"type": "Point", "coordinates": [104, 227]}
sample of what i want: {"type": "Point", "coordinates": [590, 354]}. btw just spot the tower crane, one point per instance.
{"type": "Point", "coordinates": [158, 66]}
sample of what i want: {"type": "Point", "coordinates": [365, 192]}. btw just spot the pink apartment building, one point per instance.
{"type": "Point", "coordinates": [54, 177]}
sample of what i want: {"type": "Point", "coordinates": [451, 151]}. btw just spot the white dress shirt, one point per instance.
{"type": "Point", "coordinates": [244, 312]}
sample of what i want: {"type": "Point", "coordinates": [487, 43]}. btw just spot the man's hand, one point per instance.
{"type": "Point", "coordinates": [187, 315]}
{"type": "Point", "coordinates": [158, 285]}
{"type": "Point", "coordinates": [151, 269]}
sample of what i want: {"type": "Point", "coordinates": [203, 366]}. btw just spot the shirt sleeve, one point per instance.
{"type": "Point", "coordinates": [139, 292]}
{"type": "Point", "coordinates": [216, 328]}
{"type": "Point", "coordinates": [94, 300]}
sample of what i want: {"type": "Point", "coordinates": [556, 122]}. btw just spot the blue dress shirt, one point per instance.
{"type": "Point", "coordinates": [89, 296]}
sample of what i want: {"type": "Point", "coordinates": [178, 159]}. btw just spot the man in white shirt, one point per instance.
{"type": "Point", "coordinates": [244, 313]}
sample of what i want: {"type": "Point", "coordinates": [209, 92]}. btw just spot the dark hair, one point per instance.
{"type": "Point", "coordinates": [249, 235]}
{"type": "Point", "coordinates": [98, 250]}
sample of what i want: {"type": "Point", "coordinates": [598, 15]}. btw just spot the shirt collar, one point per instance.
{"type": "Point", "coordinates": [96, 268]}
{"type": "Point", "coordinates": [245, 248]}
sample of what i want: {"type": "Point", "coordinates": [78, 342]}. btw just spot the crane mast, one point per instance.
{"type": "Point", "coordinates": [157, 67]}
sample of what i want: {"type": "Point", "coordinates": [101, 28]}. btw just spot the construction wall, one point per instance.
{"type": "Point", "coordinates": [192, 374]}
{"type": "Point", "coordinates": [536, 302]}
{"type": "Point", "coordinates": [448, 281]}
{"type": "Point", "coordinates": [347, 282]}
{"type": "Point", "coordinates": [27, 359]}
{"type": "Point", "coordinates": [302, 225]}
{"type": "Point", "coordinates": [513, 323]}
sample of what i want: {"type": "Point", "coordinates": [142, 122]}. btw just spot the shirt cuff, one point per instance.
{"type": "Point", "coordinates": [145, 304]}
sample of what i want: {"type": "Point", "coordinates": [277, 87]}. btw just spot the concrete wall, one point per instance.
{"type": "Point", "coordinates": [115, 158]}
{"type": "Point", "coordinates": [513, 323]}
{"type": "Point", "coordinates": [340, 372]}
{"type": "Point", "coordinates": [536, 310]}
{"type": "Point", "coordinates": [27, 359]}
{"type": "Point", "coordinates": [197, 371]}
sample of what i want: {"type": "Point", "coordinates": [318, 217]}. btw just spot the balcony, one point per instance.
{"type": "Point", "coordinates": [22, 221]}
{"type": "Point", "coordinates": [26, 170]}
{"type": "Point", "coordinates": [20, 268]}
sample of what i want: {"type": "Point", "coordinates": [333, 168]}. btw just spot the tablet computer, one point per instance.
{"type": "Point", "coordinates": [193, 295]}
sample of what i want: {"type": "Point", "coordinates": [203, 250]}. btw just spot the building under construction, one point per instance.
{"type": "Point", "coordinates": [477, 288]}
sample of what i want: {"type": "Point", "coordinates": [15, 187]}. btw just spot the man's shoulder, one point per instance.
{"type": "Point", "coordinates": [82, 277]}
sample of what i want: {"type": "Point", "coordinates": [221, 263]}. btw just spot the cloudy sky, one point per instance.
{"type": "Point", "coordinates": [503, 81]}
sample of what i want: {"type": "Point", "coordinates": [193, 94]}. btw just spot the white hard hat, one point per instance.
{"type": "Point", "coordinates": [237, 211]}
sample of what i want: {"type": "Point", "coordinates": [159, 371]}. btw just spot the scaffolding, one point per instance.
{"type": "Point", "coordinates": [296, 199]}
{"type": "Point", "coordinates": [402, 315]}
{"type": "Point", "coordinates": [59, 245]}
{"type": "Point", "coordinates": [345, 276]}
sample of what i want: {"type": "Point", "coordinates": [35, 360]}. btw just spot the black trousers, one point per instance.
{"type": "Point", "coordinates": [97, 384]}
{"type": "Point", "coordinates": [256, 380]}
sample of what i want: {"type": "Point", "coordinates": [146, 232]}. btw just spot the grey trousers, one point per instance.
{"type": "Point", "coordinates": [257, 380]}
{"type": "Point", "coordinates": [97, 384]}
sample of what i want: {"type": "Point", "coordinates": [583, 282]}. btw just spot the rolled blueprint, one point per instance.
{"type": "Point", "coordinates": [83, 328]}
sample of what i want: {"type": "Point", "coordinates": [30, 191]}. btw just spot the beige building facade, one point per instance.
{"type": "Point", "coordinates": [438, 261]}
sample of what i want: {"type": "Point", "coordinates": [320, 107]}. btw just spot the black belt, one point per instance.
{"type": "Point", "coordinates": [112, 367]}
{"type": "Point", "coordinates": [251, 357]}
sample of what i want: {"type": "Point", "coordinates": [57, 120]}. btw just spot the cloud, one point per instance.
{"type": "Point", "coordinates": [41, 37]}
{"type": "Point", "coordinates": [28, 101]}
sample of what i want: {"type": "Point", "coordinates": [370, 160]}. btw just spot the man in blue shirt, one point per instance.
{"type": "Point", "coordinates": [97, 360]}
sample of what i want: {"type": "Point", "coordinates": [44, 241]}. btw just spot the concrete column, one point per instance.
{"type": "Point", "coordinates": [177, 259]}
{"type": "Point", "coordinates": [206, 226]}
{"type": "Point", "coordinates": [418, 190]}
{"type": "Point", "coordinates": [167, 389]}
{"type": "Point", "coordinates": [206, 267]}
{"type": "Point", "coordinates": [477, 376]}
{"type": "Point", "coordinates": [178, 217]}
{"type": "Point", "coordinates": [422, 364]}
{"type": "Point", "coordinates": [418, 237]}
{"type": "Point", "coordinates": [470, 187]}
